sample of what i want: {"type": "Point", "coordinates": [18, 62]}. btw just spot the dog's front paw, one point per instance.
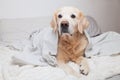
{"type": "Point", "coordinates": [84, 68]}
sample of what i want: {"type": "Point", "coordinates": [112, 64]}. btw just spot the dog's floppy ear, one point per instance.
{"type": "Point", "coordinates": [82, 23]}
{"type": "Point", "coordinates": [54, 22]}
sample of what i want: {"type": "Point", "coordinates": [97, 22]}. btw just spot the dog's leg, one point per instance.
{"type": "Point", "coordinates": [68, 69]}
{"type": "Point", "coordinates": [84, 68]}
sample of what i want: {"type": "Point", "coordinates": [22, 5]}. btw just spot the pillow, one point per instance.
{"type": "Point", "coordinates": [93, 29]}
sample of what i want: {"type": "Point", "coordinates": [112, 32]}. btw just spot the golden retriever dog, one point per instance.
{"type": "Point", "coordinates": [70, 23]}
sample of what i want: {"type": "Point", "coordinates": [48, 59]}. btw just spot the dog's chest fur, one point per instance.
{"type": "Point", "coordinates": [70, 49]}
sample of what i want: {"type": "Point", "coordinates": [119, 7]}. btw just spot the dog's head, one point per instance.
{"type": "Point", "coordinates": [69, 20]}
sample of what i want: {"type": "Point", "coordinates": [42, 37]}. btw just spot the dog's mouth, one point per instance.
{"type": "Point", "coordinates": [65, 34]}
{"type": "Point", "coordinates": [64, 28]}
{"type": "Point", "coordinates": [63, 31]}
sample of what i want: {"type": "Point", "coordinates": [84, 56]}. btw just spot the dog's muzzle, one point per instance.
{"type": "Point", "coordinates": [64, 27]}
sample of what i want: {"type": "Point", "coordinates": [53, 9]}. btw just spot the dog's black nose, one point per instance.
{"type": "Point", "coordinates": [64, 24]}
{"type": "Point", "coordinates": [64, 27]}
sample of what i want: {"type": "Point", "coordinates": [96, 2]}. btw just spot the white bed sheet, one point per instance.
{"type": "Point", "coordinates": [100, 68]}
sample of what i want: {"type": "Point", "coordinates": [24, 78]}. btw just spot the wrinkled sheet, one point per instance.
{"type": "Point", "coordinates": [100, 68]}
{"type": "Point", "coordinates": [42, 47]}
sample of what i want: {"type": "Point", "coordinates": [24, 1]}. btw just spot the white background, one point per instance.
{"type": "Point", "coordinates": [107, 11]}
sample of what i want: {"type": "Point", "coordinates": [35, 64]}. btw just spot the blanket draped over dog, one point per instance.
{"type": "Point", "coordinates": [41, 50]}
{"type": "Point", "coordinates": [42, 47]}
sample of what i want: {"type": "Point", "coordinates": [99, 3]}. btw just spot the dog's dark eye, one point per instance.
{"type": "Point", "coordinates": [59, 16]}
{"type": "Point", "coordinates": [73, 16]}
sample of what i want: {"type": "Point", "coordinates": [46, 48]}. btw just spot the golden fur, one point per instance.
{"type": "Point", "coordinates": [72, 48]}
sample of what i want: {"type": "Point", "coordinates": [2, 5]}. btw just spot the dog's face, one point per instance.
{"type": "Point", "coordinates": [69, 20]}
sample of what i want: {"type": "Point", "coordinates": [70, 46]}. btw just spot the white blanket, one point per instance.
{"type": "Point", "coordinates": [106, 44]}
{"type": "Point", "coordinates": [37, 52]}
{"type": "Point", "coordinates": [42, 47]}
{"type": "Point", "coordinates": [100, 68]}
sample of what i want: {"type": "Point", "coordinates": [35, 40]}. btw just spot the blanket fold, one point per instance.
{"type": "Point", "coordinates": [43, 47]}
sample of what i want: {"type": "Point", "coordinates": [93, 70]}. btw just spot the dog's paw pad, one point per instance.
{"type": "Point", "coordinates": [84, 70]}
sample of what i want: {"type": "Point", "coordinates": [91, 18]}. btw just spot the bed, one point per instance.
{"type": "Point", "coordinates": [12, 39]}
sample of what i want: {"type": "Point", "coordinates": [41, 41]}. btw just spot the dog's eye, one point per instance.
{"type": "Point", "coordinates": [73, 16]}
{"type": "Point", "coordinates": [59, 16]}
